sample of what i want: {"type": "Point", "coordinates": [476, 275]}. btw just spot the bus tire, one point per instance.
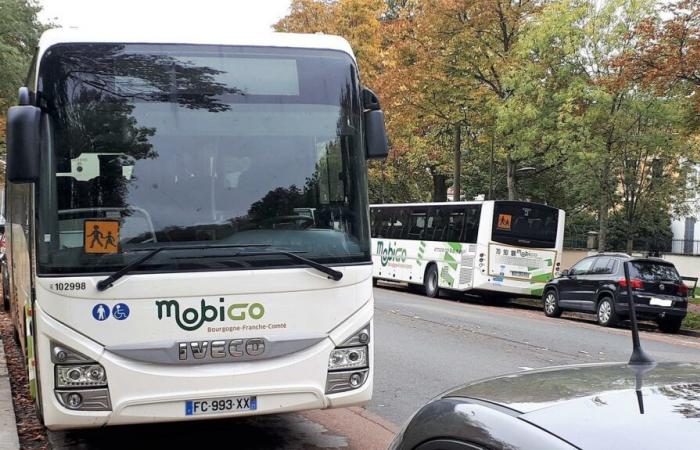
{"type": "Point", "coordinates": [551, 303]}
{"type": "Point", "coordinates": [430, 282]}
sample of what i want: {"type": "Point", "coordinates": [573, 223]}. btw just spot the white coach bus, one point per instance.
{"type": "Point", "coordinates": [498, 248]}
{"type": "Point", "coordinates": [161, 269]}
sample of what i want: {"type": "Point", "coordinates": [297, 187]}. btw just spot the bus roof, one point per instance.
{"type": "Point", "coordinates": [184, 36]}
{"type": "Point", "coordinates": [473, 202]}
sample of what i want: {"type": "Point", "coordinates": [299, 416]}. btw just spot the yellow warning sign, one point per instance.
{"type": "Point", "coordinates": [504, 221]}
{"type": "Point", "coordinates": [101, 236]}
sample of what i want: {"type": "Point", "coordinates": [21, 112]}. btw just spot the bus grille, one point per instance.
{"type": "Point", "coordinates": [465, 275]}
{"type": "Point", "coordinates": [467, 270]}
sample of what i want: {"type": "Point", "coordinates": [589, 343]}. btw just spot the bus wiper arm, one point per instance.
{"type": "Point", "coordinates": [332, 273]}
{"type": "Point", "coordinates": [107, 283]}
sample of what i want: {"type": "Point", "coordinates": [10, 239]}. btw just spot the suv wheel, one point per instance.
{"type": "Point", "coordinates": [606, 312]}
{"type": "Point", "coordinates": [551, 304]}
{"type": "Point", "coordinates": [670, 325]}
{"type": "Point", "coordinates": [431, 282]}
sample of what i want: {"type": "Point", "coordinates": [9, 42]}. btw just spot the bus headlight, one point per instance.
{"type": "Point", "coordinates": [348, 358]}
{"type": "Point", "coordinates": [84, 375]}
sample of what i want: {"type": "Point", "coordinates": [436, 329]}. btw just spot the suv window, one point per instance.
{"type": "Point", "coordinates": [655, 271]}
{"type": "Point", "coordinates": [582, 267]}
{"type": "Point", "coordinates": [603, 265]}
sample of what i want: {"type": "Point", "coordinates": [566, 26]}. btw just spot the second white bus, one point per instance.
{"type": "Point", "coordinates": [500, 248]}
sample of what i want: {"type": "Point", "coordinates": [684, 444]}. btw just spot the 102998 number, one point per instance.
{"type": "Point", "coordinates": [69, 286]}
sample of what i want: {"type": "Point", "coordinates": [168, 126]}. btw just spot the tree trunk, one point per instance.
{"type": "Point", "coordinates": [457, 187]}
{"type": "Point", "coordinates": [439, 187]}
{"type": "Point", "coordinates": [603, 225]}
{"type": "Point", "coordinates": [630, 245]}
{"type": "Point", "coordinates": [510, 178]}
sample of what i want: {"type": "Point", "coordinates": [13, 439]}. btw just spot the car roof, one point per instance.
{"type": "Point", "coordinates": [600, 405]}
{"type": "Point", "coordinates": [531, 390]}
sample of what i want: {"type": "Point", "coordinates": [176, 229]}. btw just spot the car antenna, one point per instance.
{"type": "Point", "coordinates": [638, 356]}
{"type": "Point", "coordinates": [640, 361]}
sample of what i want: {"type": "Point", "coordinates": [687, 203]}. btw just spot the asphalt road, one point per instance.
{"type": "Point", "coordinates": [423, 347]}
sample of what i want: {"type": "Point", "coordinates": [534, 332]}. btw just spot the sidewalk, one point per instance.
{"type": "Point", "coordinates": [8, 424]}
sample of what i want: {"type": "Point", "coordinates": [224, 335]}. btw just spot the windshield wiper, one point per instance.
{"type": "Point", "coordinates": [107, 283]}
{"type": "Point", "coordinates": [332, 273]}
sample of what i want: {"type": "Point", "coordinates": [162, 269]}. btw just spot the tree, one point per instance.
{"type": "Point", "coordinates": [667, 52]}
{"type": "Point", "coordinates": [19, 34]}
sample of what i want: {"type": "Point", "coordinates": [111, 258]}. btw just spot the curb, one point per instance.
{"type": "Point", "coordinates": [692, 333]}
{"type": "Point", "coordinates": [8, 425]}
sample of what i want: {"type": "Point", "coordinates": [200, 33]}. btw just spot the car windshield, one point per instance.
{"type": "Point", "coordinates": [160, 145]}
{"type": "Point", "coordinates": [654, 272]}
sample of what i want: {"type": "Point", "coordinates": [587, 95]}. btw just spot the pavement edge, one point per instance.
{"type": "Point", "coordinates": [9, 440]}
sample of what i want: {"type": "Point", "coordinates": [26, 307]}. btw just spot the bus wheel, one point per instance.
{"type": "Point", "coordinates": [431, 282]}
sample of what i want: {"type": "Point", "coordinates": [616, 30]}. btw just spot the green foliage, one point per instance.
{"type": "Point", "coordinates": [19, 35]}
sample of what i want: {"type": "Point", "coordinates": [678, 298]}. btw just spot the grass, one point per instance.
{"type": "Point", "coordinates": [692, 321]}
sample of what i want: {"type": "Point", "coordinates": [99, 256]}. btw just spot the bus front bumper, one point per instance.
{"type": "Point", "coordinates": [150, 393]}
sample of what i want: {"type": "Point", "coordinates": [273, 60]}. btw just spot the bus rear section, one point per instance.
{"type": "Point", "coordinates": [496, 248]}
{"type": "Point", "coordinates": [523, 249]}
{"type": "Point", "coordinates": [199, 213]}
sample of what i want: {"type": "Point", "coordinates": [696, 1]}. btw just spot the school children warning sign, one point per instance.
{"type": "Point", "coordinates": [504, 222]}
{"type": "Point", "coordinates": [101, 236]}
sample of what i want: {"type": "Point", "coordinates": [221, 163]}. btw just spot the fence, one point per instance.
{"type": "Point", "coordinates": [685, 247]}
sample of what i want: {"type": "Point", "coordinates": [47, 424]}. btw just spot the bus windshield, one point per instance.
{"type": "Point", "coordinates": [165, 145]}
{"type": "Point", "coordinates": [525, 224]}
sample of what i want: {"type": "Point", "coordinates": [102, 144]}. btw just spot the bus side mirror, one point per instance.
{"type": "Point", "coordinates": [375, 135]}
{"type": "Point", "coordinates": [23, 144]}
{"type": "Point", "coordinates": [375, 131]}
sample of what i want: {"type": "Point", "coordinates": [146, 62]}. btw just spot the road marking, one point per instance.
{"type": "Point", "coordinates": [525, 368]}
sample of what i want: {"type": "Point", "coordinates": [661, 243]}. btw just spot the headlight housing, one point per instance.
{"type": "Point", "coordinates": [348, 358]}
{"type": "Point", "coordinates": [83, 375]}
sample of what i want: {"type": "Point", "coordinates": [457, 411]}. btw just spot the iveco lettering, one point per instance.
{"type": "Point", "coordinates": [199, 207]}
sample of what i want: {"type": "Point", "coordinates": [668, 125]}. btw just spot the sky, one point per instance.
{"type": "Point", "coordinates": [240, 16]}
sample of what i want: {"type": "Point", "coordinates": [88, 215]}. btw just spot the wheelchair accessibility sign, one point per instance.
{"type": "Point", "coordinates": [120, 311]}
{"type": "Point", "coordinates": [101, 312]}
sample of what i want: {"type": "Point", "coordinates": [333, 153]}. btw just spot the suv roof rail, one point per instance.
{"type": "Point", "coordinates": [620, 254]}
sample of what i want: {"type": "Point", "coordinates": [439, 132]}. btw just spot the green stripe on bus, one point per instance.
{"type": "Point", "coordinates": [455, 246]}
{"type": "Point", "coordinates": [451, 261]}
{"type": "Point", "coordinates": [542, 278]}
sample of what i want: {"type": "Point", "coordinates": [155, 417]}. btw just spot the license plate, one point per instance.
{"type": "Point", "coordinates": [660, 302]}
{"type": "Point", "coordinates": [220, 405]}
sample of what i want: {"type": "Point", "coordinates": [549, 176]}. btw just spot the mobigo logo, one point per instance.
{"type": "Point", "coordinates": [397, 254]}
{"type": "Point", "coordinates": [191, 319]}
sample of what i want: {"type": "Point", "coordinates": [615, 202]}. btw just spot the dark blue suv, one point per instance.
{"type": "Point", "coordinates": [596, 284]}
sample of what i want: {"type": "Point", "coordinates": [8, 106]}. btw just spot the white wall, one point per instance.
{"type": "Point", "coordinates": [688, 266]}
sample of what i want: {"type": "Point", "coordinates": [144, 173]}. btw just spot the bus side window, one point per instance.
{"type": "Point", "coordinates": [429, 224]}
{"type": "Point", "coordinates": [440, 224]}
{"type": "Point", "coordinates": [455, 225]}
{"type": "Point", "coordinates": [399, 229]}
{"type": "Point", "coordinates": [471, 225]}
{"type": "Point", "coordinates": [389, 220]}
{"type": "Point", "coordinates": [416, 225]}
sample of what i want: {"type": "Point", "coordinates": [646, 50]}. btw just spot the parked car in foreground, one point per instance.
{"type": "Point", "coordinates": [596, 284]}
{"type": "Point", "coordinates": [593, 406]}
